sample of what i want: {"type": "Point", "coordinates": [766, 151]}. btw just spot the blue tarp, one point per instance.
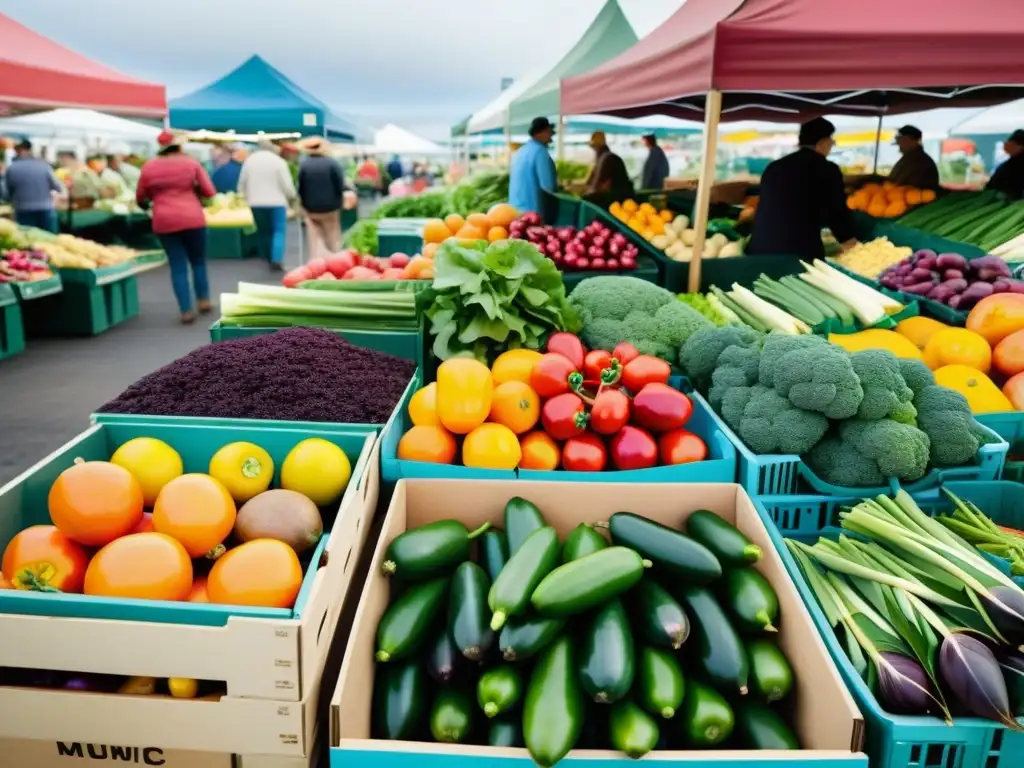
{"type": "Point", "coordinates": [257, 97]}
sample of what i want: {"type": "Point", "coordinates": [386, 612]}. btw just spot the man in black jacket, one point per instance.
{"type": "Point", "coordinates": [801, 194]}
{"type": "Point", "coordinates": [915, 168]}
{"type": "Point", "coordinates": [321, 188]}
{"type": "Point", "coordinates": [1009, 177]}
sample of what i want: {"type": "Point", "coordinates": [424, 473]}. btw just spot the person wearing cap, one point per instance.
{"type": "Point", "coordinates": [609, 172]}
{"type": "Point", "coordinates": [30, 184]}
{"type": "Point", "coordinates": [655, 166]}
{"type": "Point", "coordinates": [226, 171]}
{"type": "Point", "coordinates": [801, 194]}
{"type": "Point", "coordinates": [915, 168]}
{"type": "Point", "coordinates": [1008, 178]}
{"type": "Point", "coordinates": [266, 184]}
{"type": "Point", "coordinates": [321, 190]}
{"type": "Point", "coordinates": [532, 169]}
{"type": "Point", "coordinates": [172, 183]}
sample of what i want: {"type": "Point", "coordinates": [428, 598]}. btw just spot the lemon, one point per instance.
{"type": "Point", "coordinates": [245, 469]}
{"type": "Point", "coordinates": [318, 469]}
{"type": "Point", "coordinates": [153, 463]}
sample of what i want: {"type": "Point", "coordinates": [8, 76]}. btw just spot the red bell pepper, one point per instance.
{"type": "Point", "coordinates": [564, 416]}
{"type": "Point", "coordinates": [661, 408]}
{"type": "Point", "coordinates": [634, 448]}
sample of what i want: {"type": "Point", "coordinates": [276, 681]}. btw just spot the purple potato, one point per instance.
{"type": "Point", "coordinates": [954, 303]}
{"type": "Point", "coordinates": [952, 274]}
{"type": "Point", "coordinates": [918, 289]}
{"type": "Point", "coordinates": [1001, 286]}
{"type": "Point", "coordinates": [975, 293]}
{"type": "Point", "coordinates": [941, 293]}
{"type": "Point", "coordinates": [951, 261]}
{"type": "Point", "coordinates": [1016, 286]}
{"type": "Point", "coordinates": [928, 262]}
{"type": "Point", "coordinates": [920, 274]}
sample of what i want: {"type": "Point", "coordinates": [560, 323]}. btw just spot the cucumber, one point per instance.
{"type": "Point", "coordinates": [719, 656]}
{"type": "Point", "coordinates": [451, 718]}
{"type": "Point", "coordinates": [632, 730]}
{"type": "Point", "coordinates": [581, 541]}
{"type": "Point", "coordinates": [771, 676]}
{"type": "Point", "coordinates": [429, 551]}
{"type": "Point", "coordinates": [725, 541]}
{"type": "Point", "coordinates": [705, 717]}
{"type": "Point", "coordinates": [510, 592]}
{"type": "Point", "coordinates": [607, 658]}
{"type": "Point", "coordinates": [493, 552]}
{"type": "Point", "coordinates": [526, 636]}
{"type": "Point", "coordinates": [522, 518]}
{"type": "Point", "coordinates": [505, 732]}
{"type": "Point", "coordinates": [406, 624]}
{"type": "Point", "coordinates": [750, 600]}
{"type": "Point", "coordinates": [442, 657]}
{"type": "Point", "coordinates": [399, 691]}
{"type": "Point", "coordinates": [673, 554]}
{"type": "Point", "coordinates": [593, 579]}
{"type": "Point", "coordinates": [553, 708]}
{"type": "Point", "coordinates": [760, 727]}
{"type": "Point", "coordinates": [660, 684]}
{"type": "Point", "coordinates": [499, 690]}
{"type": "Point", "coordinates": [468, 616]}
{"type": "Point", "coordinates": [658, 617]}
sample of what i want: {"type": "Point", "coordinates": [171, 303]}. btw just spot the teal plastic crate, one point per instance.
{"type": "Point", "coordinates": [400, 236]}
{"type": "Point", "coordinates": [232, 243]}
{"type": "Point", "coordinates": [560, 210]}
{"type": "Point", "coordinates": [91, 301]}
{"type": "Point", "coordinates": [719, 467]}
{"type": "Point", "coordinates": [12, 329]}
{"type": "Point", "coordinates": [833, 325]}
{"type": "Point", "coordinates": [899, 741]}
{"type": "Point", "coordinates": [23, 502]}
{"type": "Point", "coordinates": [38, 288]}
{"type": "Point", "coordinates": [431, 756]}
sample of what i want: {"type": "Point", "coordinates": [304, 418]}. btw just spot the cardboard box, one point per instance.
{"type": "Point", "coordinates": [826, 718]}
{"type": "Point", "coordinates": [233, 724]}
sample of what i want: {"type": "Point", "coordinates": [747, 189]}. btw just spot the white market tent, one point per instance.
{"type": "Point", "coordinates": [79, 124]}
{"type": "Point", "coordinates": [392, 140]}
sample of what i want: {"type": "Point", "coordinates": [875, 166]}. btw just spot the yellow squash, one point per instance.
{"type": "Point", "coordinates": [958, 346]}
{"type": "Point", "coordinates": [919, 330]}
{"type": "Point", "coordinates": [876, 338]}
{"type": "Point", "coordinates": [982, 394]}
{"type": "Point", "coordinates": [464, 392]}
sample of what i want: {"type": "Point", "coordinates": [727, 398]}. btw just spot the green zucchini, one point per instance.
{"type": "Point", "coordinates": [499, 690]}
{"type": "Point", "coordinates": [607, 657]}
{"type": "Point", "coordinates": [582, 540]}
{"type": "Point", "coordinates": [493, 552]}
{"type": "Point", "coordinates": [750, 600]}
{"type": "Point", "coordinates": [553, 708]}
{"type": "Point", "coordinates": [658, 617]}
{"type": "Point", "coordinates": [706, 718]}
{"type": "Point", "coordinates": [451, 718]}
{"type": "Point", "coordinates": [760, 727]}
{"type": "Point", "coordinates": [429, 551]}
{"type": "Point", "coordinates": [673, 554]}
{"type": "Point", "coordinates": [771, 675]}
{"type": "Point", "coordinates": [442, 657]}
{"type": "Point", "coordinates": [522, 518]}
{"type": "Point", "coordinates": [399, 691]}
{"type": "Point", "coordinates": [468, 617]}
{"type": "Point", "coordinates": [525, 636]}
{"type": "Point", "coordinates": [632, 730]}
{"type": "Point", "coordinates": [406, 624]}
{"type": "Point", "coordinates": [528, 565]}
{"type": "Point", "coordinates": [582, 584]}
{"type": "Point", "coordinates": [718, 656]}
{"type": "Point", "coordinates": [725, 541]}
{"type": "Point", "coordinates": [660, 683]}
{"type": "Point", "coordinates": [505, 732]}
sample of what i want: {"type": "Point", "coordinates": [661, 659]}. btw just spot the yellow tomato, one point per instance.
{"type": "Point", "coordinates": [630, 206]}
{"type": "Point", "coordinates": [514, 365]}
{"type": "Point", "coordinates": [516, 406]}
{"type": "Point", "coordinates": [423, 407]}
{"type": "Point", "coordinates": [464, 392]}
{"type": "Point", "coordinates": [491, 446]}
{"type": "Point", "coordinates": [958, 346]}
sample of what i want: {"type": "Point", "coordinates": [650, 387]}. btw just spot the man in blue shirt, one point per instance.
{"type": "Point", "coordinates": [226, 170]}
{"type": "Point", "coordinates": [532, 169]}
{"type": "Point", "coordinates": [30, 183]}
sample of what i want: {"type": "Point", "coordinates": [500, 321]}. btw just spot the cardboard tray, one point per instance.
{"type": "Point", "coordinates": [827, 720]}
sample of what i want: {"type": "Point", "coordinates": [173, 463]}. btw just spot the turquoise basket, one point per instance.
{"type": "Point", "coordinates": [719, 467]}
{"type": "Point", "coordinates": [23, 502]}
{"type": "Point", "coordinates": [898, 741]}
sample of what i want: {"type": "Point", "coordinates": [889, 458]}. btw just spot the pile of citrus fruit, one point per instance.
{"type": "Point", "coordinates": [139, 526]}
{"type": "Point", "coordinates": [490, 226]}
{"type": "Point", "coordinates": [642, 218]}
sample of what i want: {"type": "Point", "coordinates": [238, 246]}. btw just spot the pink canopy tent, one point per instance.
{"type": "Point", "coordinates": [38, 74]}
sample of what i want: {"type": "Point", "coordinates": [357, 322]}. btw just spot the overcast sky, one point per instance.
{"type": "Point", "coordinates": [424, 64]}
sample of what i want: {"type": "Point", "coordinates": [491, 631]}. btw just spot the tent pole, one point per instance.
{"type": "Point", "coordinates": [701, 206]}
{"type": "Point", "coordinates": [878, 143]}
{"type": "Point", "coordinates": [560, 139]}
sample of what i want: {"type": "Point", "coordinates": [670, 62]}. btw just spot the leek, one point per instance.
{"type": "Point", "coordinates": [868, 312]}
{"type": "Point", "coordinates": [766, 312]}
{"type": "Point", "coordinates": [891, 306]}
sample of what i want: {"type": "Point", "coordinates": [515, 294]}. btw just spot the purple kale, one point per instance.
{"type": "Point", "coordinates": [295, 374]}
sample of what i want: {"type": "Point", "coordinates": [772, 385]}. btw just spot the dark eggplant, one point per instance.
{"type": "Point", "coordinates": [973, 676]}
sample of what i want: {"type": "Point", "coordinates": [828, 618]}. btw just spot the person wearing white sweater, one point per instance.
{"type": "Point", "coordinates": [266, 184]}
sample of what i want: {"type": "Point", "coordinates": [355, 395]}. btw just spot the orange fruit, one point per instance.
{"type": "Point", "coordinates": [42, 556]}
{"type": "Point", "coordinates": [423, 407]}
{"type": "Point", "coordinates": [198, 593]}
{"type": "Point", "coordinates": [471, 232]}
{"type": "Point", "coordinates": [666, 215]}
{"type": "Point", "coordinates": [196, 510]}
{"type": "Point", "coordinates": [515, 405]}
{"type": "Point", "coordinates": [436, 231]}
{"type": "Point", "coordinates": [491, 446]}
{"type": "Point", "coordinates": [497, 233]}
{"type": "Point", "coordinates": [514, 365]}
{"type": "Point", "coordinates": [540, 451]}
{"type": "Point", "coordinates": [479, 220]}
{"type": "Point", "coordinates": [454, 222]}
{"type": "Point", "coordinates": [429, 249]}
{"type": "Point", "coordinates": [263, 572]}
{"type": "Point", "coordinates": [95, 502]}
{"type": "Point", "coordinates": [427, 443]}
{"type": "Point", "coordinates": [502, 214]}
{"type": "Point", "coordinates": [147, 566]}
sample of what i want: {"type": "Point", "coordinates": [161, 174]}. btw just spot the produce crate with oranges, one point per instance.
{"type": "Point", "coordinates": [491, 226]}
{"type": "Point", "coordinates": [888, 200]}
{"type": "Point", "coordinates": [179, 585]}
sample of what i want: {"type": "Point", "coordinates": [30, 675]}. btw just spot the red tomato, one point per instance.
{"type": "Point", "coordinates": [584, 453]}
{"type": "Point", "coordinates": [569, 346]}
{"type": "Point", "coordinates": [564, 416]}
{"type": "Point", "coordinates": [550, 376]}
{"type": "Point", "coordinates": [316, 267]}
{"type": "Point", "coordinates": [296, 276]}
{"type": "Point", "coordinates": [1014, 390]}
{"type": "Point", "coordinates": [625, 353]}
{"type": "Point", "coordinates": [645, 369]}
{"type": "Point", "coordinates": [610, 412]}
{"type": "Point", "coordinates": [661, 408]}
{"type": "Point", "coordinates": [42, 558]}
{"type": "Point", "coordinates": [681, 447]}
{"type": "Point", "coordinates": [634, 448]}
{"type": "Point", "coordinates": [595, 362]}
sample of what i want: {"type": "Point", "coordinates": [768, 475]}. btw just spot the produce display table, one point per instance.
{"type": "Point", "coordinates": [12, 330]}
{"type": "Point", "coordinates": [400, 236]}
{"type": "Point", "coordinates": [91, 223]}
{"type": "Point", "coordinates": [91, 302]}
{"type": "Point", "coordinates": [233, 243]}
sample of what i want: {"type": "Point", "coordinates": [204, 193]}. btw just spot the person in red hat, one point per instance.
{"type": "Point", "coordinates": [172, 182]}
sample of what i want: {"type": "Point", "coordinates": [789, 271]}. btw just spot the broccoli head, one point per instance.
{"type": "Point", "coordinates": [778, 344]}
{"type": "Point", "coordinates": [615, 296]}
{"type": "Point", "coordinates": [886, 394]}
{"type": "Point", "coordinates": [737, 367]}
{"type": "Point", "coordinates": [698, 357]}
{"type": "Point", "coordinates": [916, 374]}
{"type": "Point", "coordinates": [771, 424]}
{"type": "Point", "coordinates": [734, 402]}
{"type": "Point", "coordinates": [944, 415]}
{"type": "Point", "coordinates": [867, 453]}
{"type": "Point", "coordinates": [818, 378]}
